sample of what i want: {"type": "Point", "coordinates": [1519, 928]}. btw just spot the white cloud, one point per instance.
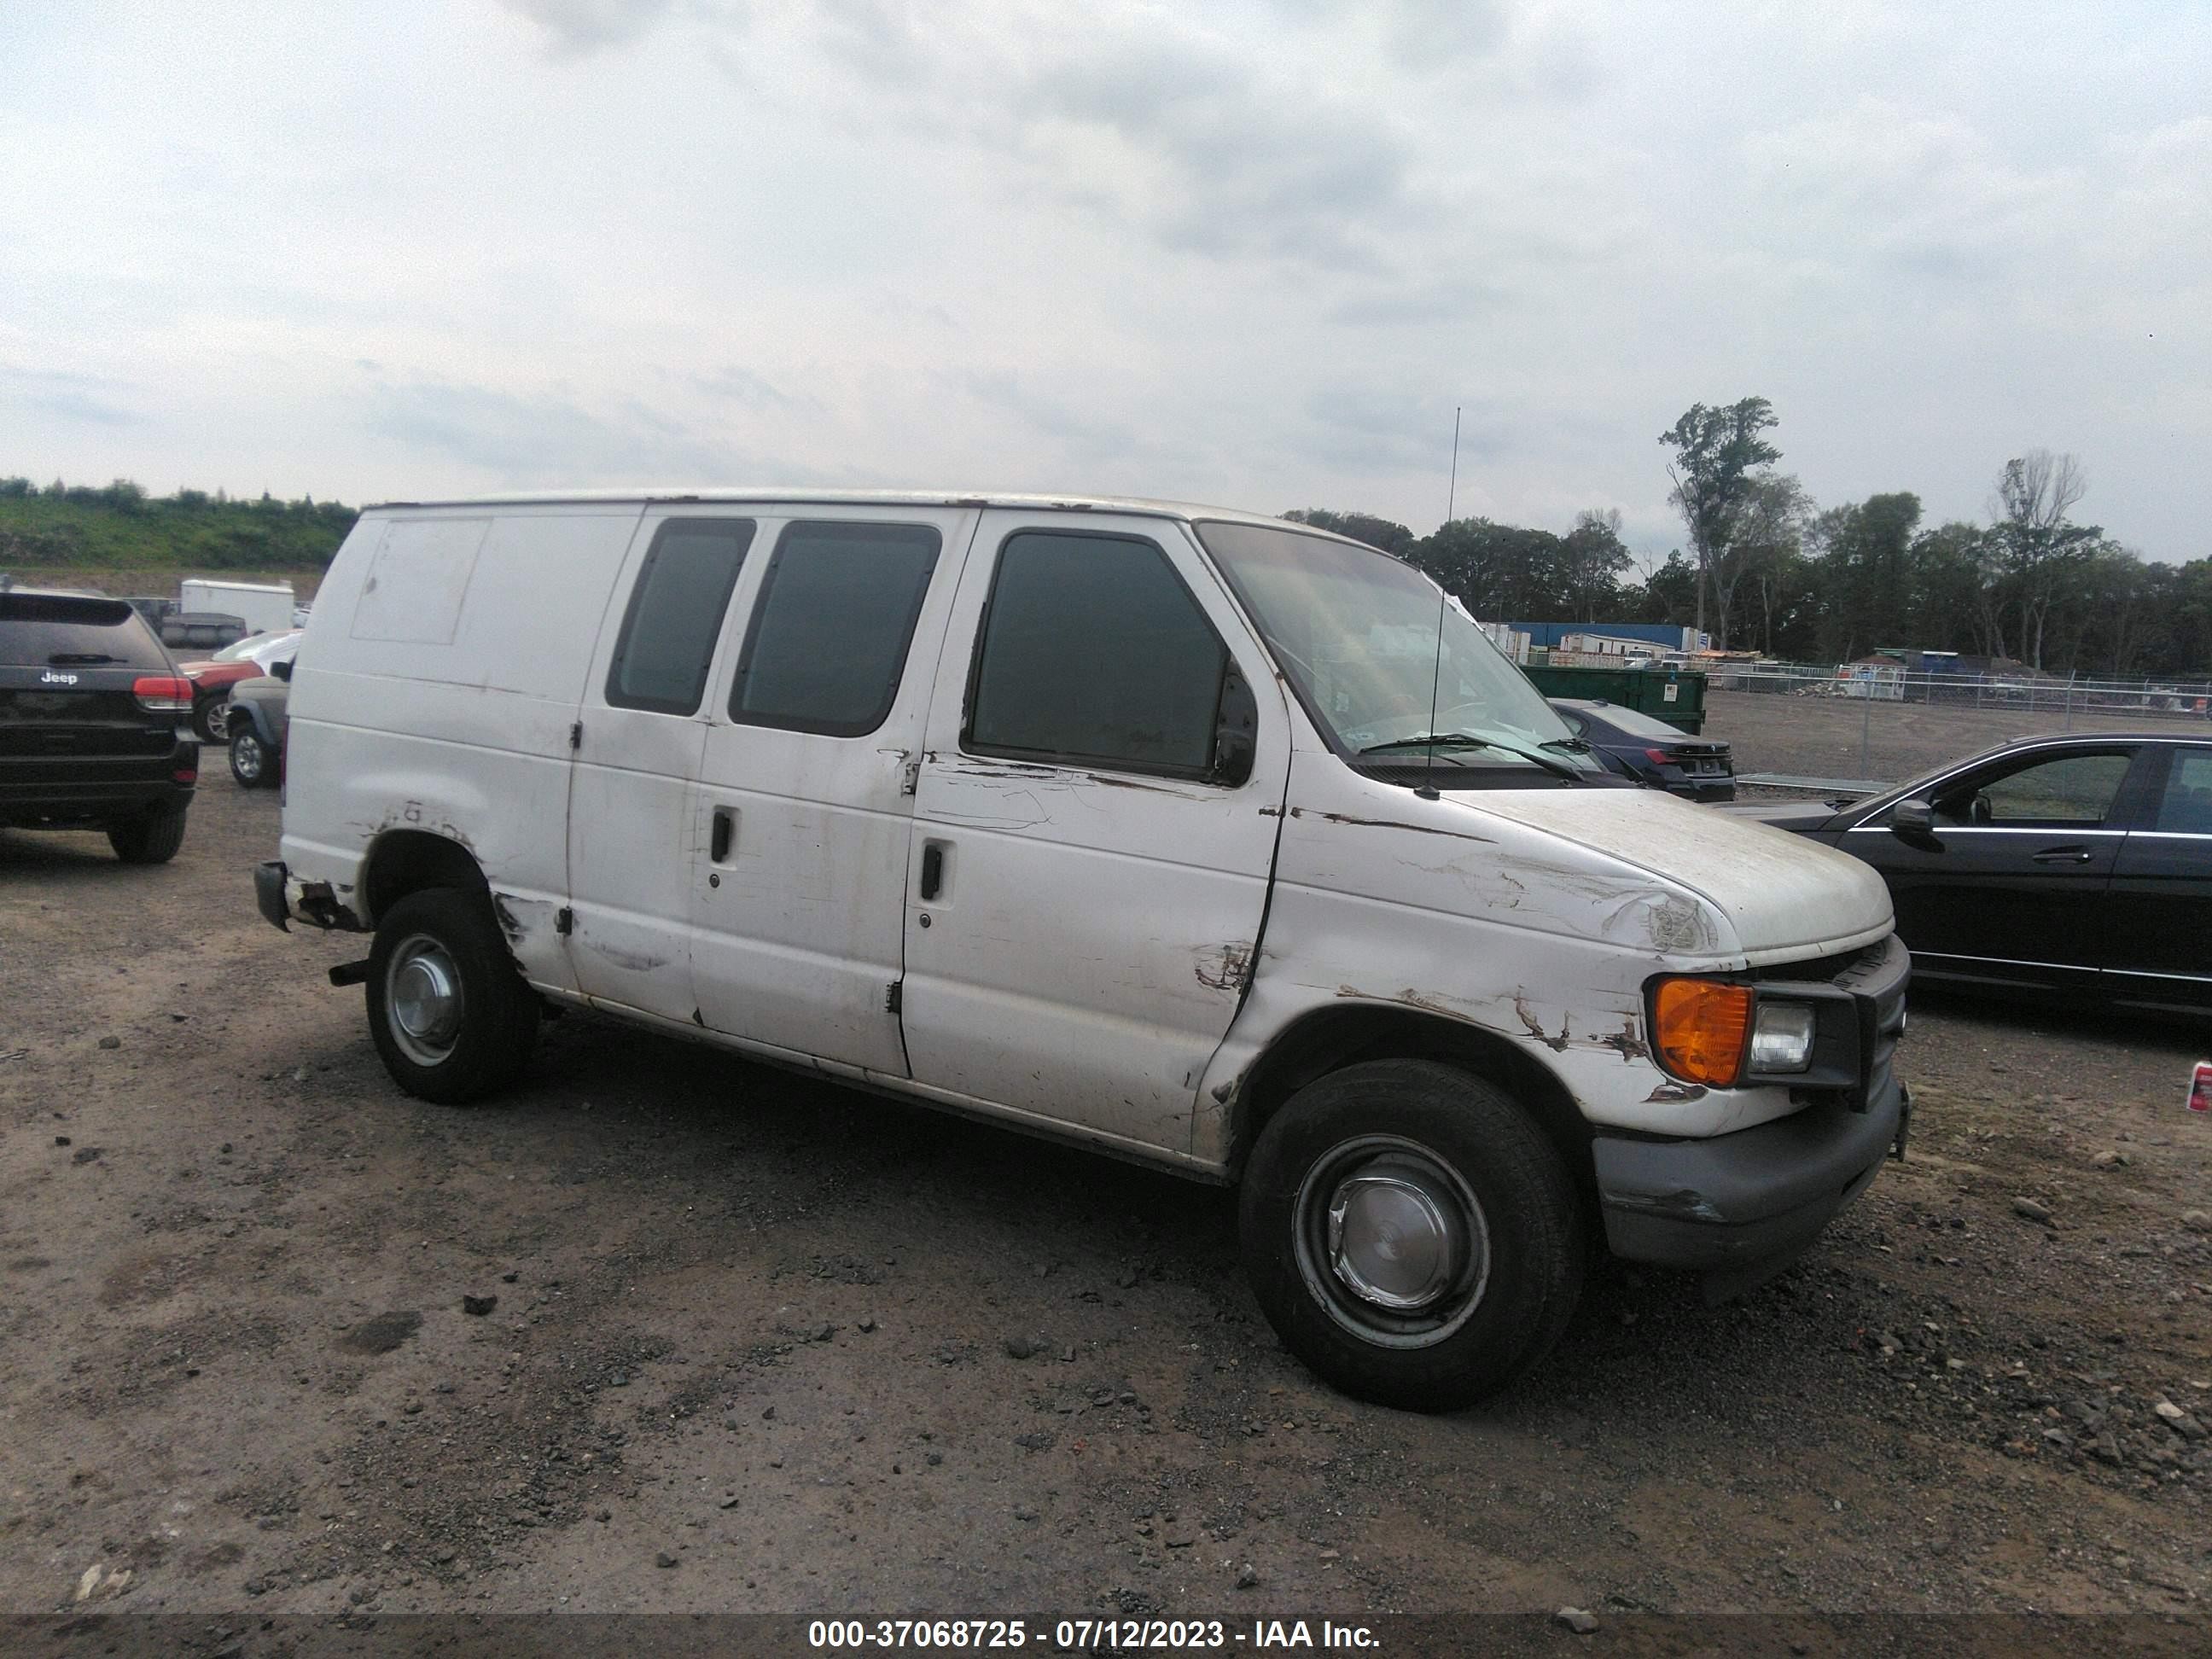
{"type": "Point", "coordinates": [1255, 251]}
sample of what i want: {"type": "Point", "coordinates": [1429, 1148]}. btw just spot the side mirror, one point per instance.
{"type": "Point", "coordinates": [1236, 729]}
{"type": "Point", "coordinates": [1913, 822]}
{"type": "Point", "coordinates": [283, 671]}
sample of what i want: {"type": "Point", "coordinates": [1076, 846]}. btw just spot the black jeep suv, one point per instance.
{"type": "Point", "coordinates": [94, 723]}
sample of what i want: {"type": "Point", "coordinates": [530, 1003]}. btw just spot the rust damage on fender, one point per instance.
{"type": "Point", "coordinates": [1534, 1027]}
{"type": "Point", "coordinates": [1624, 1042]}
{"type": "Point", "coordinates": [1669, 1092]}
{"type": "Point", "coordinates": [1411, 998]}
{"type": "Point", "coordinates": [1224, 966]}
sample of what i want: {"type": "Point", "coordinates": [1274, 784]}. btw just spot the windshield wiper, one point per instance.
{"type": "Point", "coordinates": [1432, 740]}
{"type": "Point", "coordinates": [81, 658]}
{"type": "Point", "coordinates": [1572, 745]}
{"type": "Point", "coordinates": [1558, 769]}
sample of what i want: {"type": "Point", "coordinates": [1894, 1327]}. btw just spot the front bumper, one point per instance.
{"type": "Point", "coordinates": [1747, 1201]}
{"type": "Point", "coordinates": [1741, 1206]}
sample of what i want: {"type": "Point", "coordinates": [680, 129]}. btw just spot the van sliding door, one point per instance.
{"type": "Point", "coordinates": [805, 801]}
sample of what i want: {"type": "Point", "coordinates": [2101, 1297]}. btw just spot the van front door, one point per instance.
{"type": "Point", "coordinates": [1095, 828]}
{"type": "Point", "coordinates": [804, 805]}
{"type": "Point", "coordinates": [644, 727]}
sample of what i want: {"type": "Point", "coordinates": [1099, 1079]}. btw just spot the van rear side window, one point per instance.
{"type": "Point", "coordinates": [675, 615]}
{"type": "Point", "coordinates": [830, 636]}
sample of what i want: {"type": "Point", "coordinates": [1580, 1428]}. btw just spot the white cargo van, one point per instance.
{"type": "Point", "coordinates": [264, 607]}
{"type": "Point", "coordinates": [1195, 836]}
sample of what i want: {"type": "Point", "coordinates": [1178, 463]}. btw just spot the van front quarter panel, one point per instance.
{"type": "Point", "coordinates": [1542, 936]}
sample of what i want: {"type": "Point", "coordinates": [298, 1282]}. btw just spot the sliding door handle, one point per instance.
{"type": "Point", "coordinates": [725, 832]}
{"type": "Point", "coordinates": [932, 870]}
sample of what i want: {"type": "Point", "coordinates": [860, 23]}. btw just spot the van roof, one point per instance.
{"type": "Point", "coordinates": [645, 497]}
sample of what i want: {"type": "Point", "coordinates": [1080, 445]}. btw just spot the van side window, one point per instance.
{"type": "Point", "coordinates": [829, 634]}
{"type": "Point", "coordinates": [1093, 651]}
{"type": "Point", "coordinates": [675, 615]}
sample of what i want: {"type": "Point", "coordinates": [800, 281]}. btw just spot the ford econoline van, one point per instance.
{"type": "Point", "coordinates": [1194, 836]}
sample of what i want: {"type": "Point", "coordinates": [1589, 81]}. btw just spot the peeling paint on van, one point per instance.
{"type": "Point", "coordinates": [1224, 966]}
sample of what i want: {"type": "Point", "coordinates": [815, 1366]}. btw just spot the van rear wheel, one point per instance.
{"type": "Point", "coordinates": [1411, 1233]}
{"type": "Point", "coordinates": [451, 1017]}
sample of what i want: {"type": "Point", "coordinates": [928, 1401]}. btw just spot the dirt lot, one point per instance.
{"type": "Point", "coordinates": [761, 1343]}
{"type": "Point", "coordinates": [1848, 738]}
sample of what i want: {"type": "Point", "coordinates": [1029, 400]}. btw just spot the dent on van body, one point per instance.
{"type": "Point", "coordinates": [1539, 933]}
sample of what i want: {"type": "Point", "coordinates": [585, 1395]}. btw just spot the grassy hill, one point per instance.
{"type": "Point", "coordinates": [119, 526]}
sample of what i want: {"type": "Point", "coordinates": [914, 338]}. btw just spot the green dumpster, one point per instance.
{"type": "Point", "coordinates": [1673, 694]}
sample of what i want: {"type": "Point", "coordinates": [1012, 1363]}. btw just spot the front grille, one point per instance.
{"type": "Point", "coordinates": [1874, 978]}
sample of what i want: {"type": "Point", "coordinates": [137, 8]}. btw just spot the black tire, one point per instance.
{"type": "Point", "coordinates": [211, 718]}
{"type": "Point", "coordinates": [251, 762]}
{"type": "Point", "coordinates": [1407, 1144]}
{"type": "Point", "coordinates": [459, 1049]}
{"type": "Point", "coordinates": [153, 837]}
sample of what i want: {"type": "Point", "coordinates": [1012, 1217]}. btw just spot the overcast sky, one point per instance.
{"type": "Point", "coordinates": [1250, 251]}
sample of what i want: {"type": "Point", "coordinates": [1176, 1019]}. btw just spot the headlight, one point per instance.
{"type": "Point", "coordinates": [1782, 1037]}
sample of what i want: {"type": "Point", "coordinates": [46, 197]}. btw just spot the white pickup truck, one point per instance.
{"type": "Point", "coordinates": [1192, 835]}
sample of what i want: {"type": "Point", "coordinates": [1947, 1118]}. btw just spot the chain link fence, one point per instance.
{"type": "Point", "coordinates": [2023, 692]}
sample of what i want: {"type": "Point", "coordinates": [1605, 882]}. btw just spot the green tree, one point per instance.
{"type": "Point", "coordinates": [1770, 537]}
{"type": "Point", "coordinates": [1865, 573]}
{"type": "Point", "coordinates": [1714, 452]}
{"type": "Point", "coordinates": [1592, 560]}
{"type": "Point", "coordinates": [1947, 608]}
{"type": "Point", "coordinates": [2040, 549]}
{"type": "Point", "coordinates": [1500, 572]}
{"type": "Point", "coordinates": [1360, 526]}
{"type": "Point", "coordinates": [1669, 594]}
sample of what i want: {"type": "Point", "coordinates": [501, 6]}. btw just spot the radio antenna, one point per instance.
{"type": "Point", "coordinates": [1428, 789]}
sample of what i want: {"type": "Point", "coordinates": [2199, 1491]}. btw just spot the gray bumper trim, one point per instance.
{"type": "Point", "coordinates": [1737, 1202]}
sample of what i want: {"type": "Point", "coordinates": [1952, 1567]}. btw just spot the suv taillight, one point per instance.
{"type": "Point", "coordinates": [163, 691]}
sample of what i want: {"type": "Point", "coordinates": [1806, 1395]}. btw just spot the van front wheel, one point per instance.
{"type": "Point", "coordinates": [452, 1017]}
{"type": "Point", "coordinates": [1411, 1233]}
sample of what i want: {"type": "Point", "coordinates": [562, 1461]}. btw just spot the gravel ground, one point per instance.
{"type": "Point", "coordinates": [1846, 738]}
{"type": "Point", "coordinates": [753, 1342]}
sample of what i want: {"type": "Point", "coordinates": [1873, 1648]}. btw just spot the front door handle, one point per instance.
{"type": "Point", "coordinates": [2064, 855]}
{"type": "Point", "coordinates": [932, 870]}
{"type": "Point", "coordinates": [725, 831]}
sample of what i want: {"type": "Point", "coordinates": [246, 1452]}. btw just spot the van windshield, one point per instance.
{"type": "Point", "coordinates": [1356, 631]}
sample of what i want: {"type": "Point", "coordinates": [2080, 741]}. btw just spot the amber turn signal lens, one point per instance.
{"type": "Point", "coordinates": [1702, 1026]}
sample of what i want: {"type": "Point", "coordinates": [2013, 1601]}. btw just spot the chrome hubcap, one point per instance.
{"type": "Point", "coordinates": [246, 756]}
{"type": "Point", "coordinates": [422, 989]}
{"type": "Point", "coordinates": [1391, 1241]}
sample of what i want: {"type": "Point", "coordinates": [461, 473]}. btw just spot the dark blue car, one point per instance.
{"type": "Point", "coordinates": [1650, 750]}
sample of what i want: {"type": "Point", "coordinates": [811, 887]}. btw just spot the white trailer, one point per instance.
{"type": "Point", "coordinates": [262, 605]}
